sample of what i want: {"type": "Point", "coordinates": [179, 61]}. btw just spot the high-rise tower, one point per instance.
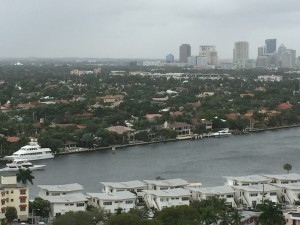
{"type": "Point", "coordinates": [270, 46]}
{"type": "Point", "coordinates": [184, 53]}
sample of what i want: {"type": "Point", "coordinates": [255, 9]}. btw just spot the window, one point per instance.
{"type": "Point", "coordinates": [12, 191]}
{"type": "Point", "coordinates": [253, 194]}
{"type": "Point", "coordinates": [47, 193]}
{"type": "Point", "coordinates": [273, 193]}
{"type": "Point", "coordinates": [107, 203]}
{"type": "Point", "coordinates": [66, 204]}
{"type": "Point", "coordinates": [284, 182]}
{"type": "Point", "coordinates": [185, 198]}
{"type": "Point", "coordinates": [129, 202]}
{"type": "Point", "coordinates": [22, 200]}
{"type": "Point", "coordinates": [245, 184]}
{"type": "Point", "coordinates": [11, 200]}
{"type": "Point", "coordinates": [229, 196]}
{"type": "Point", "coordinates": [22, 192]}
{"type": "Point", "coordinates": [80, 204]}
{"type": "Point", "coordinates": [139, 190]}
{"type": "Point", "coordinates": [23, 208]}
{"type": "Point", "coordinates": [163, 188]}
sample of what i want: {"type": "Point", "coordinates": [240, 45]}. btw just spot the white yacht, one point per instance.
{"type": "Point", "coordinates": [32, 151]}
{"type": "Point", "coordinates": [21, 164]}
{"type": "Point", "coordinates": [222, 133]}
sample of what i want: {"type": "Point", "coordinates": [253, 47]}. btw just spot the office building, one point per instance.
{"type": "Point", "coordinates": [270, 46]}
{"type": "Point", "coordinates": [170, 58]}
{"type": "Point", "coordinates": [240, 53]}
{"type": "Point", "coordinates": [210, 52]}
{"type": "Point", "coordinates": [184, 53]}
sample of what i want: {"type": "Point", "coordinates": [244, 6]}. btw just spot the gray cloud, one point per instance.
{"type": "Point", "coordinates": [140, 28]}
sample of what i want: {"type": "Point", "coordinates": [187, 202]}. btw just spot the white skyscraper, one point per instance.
{"type": "Point", "coordinates": [240, 53]}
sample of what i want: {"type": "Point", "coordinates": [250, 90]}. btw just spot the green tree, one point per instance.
{"type": "Point", "coordinates": [270, 214]}
{"type": "Point", "coordinates": [41, 207]}
{"type": "Point", "coordinates": [124, 219]}
{"type": "Point", "coordinates": [24, 176]}
{"type": "Point", "coordinates": [11, 214]}
{"type": "Point", "coordinates": [287, 167]}
{"type": "Point", "coordinates": [236, 217]}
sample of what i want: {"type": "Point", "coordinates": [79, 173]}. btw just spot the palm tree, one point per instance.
{"type": "Point", "coordinates": [271, 214]}
{"type": "Point", "coordinates": [208, 216]}
{"type": "Point", "coordinates": [236, 217]}
{"type": "Point", "coordinates": [287, 167]}
{"type": "Point", "coordinates": [24, 176]}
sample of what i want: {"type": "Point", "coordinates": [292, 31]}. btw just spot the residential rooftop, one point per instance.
{"type": "Point", "coordinates": [126, 184]}
{"type": "Point", "coordinates": [169, 192]}
{"type": "Point", "coordinates": [113, 196]}
{"type": "Point", "coordinates": [250, 178]}
{"type": "Point", "coordinates": [219, 190]}
{"type": "Point", "coordinates": [78, 197]}
{"type": "Point", "coordinates": [62, 187]}
{"type": "Point", "coordinates": [288, 176]}
{"type": "Point", "coordinates": [168, 183]}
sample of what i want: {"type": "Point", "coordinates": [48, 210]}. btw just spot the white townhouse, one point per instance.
{"type": "Point", "coordinates": [135, 186]}
{"type": "Point", "coordinates": [57, 190]}
{"type": "Point", "coordinates": [288, 192]}
{"type": "Point", "coordinates": [166, 184]}
{"type": "Point", "coordinates": [63, 198]}
{"type": "Point", "coordinates": [246, 180]}
{"type": "Point", "coordinates": [111, 202]}
{"type": "Point", "coordinates": [284, 178]}
{"type": "Point", "coordinates": [159, 199]}
{"type": "Point", "coordinates": [255, 194]}
{"type": "Point", "coordinates": [224, 192]}
{"type": "Point", "coordinates": [61, 204]}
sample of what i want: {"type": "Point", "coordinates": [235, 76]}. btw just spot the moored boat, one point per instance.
{"type": "Point", "coordinates": [21, 164]}
{"type": "Point", "coordinates": [32, 151]}
{"type": "Point", "coordinates": [222, 133]}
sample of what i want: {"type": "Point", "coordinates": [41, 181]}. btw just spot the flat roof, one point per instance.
{"type": "Point", "coordinates": [214, 190]}
{"type": "Point", "coordinates": [287, 176]}
{"type": "Point", "coordinates": [257, 188]}
{"type": "Point", "coordinates": [126, 184]}
{"type": "Point", "coordinates": [70, 198]}
{"type": "Point", "coordinates": [168, 183]}
{"type": "Point", "coordinates": [62, 187]}
{"type": "Point", "coordinates": [176, 192]}
{"type": "Point", "coordinates": [292, 186]}
{"type": "Point", "coordinates": [122, 195]}
{"type": "Point", "coordinates": [249, 178]}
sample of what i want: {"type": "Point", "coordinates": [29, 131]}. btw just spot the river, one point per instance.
{"type": "Point", "coordinates": [205, 161]}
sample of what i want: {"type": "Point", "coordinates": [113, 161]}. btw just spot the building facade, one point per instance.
{"type": "Point", "coordinates": [184, 53]}
{"type": "Point", "coordinates": [240, 53]}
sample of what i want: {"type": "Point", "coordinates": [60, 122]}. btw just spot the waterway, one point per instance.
{"type": "Point", "coordinates": [205, 161]}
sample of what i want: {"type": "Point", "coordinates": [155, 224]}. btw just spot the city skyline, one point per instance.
{"type": "Point", "coordinates": [142, 29]}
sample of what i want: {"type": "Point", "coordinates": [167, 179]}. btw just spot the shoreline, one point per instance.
{"type": "Point", "coordinates": [191, 137]}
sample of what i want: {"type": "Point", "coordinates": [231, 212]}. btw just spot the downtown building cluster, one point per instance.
{"type": "Point", "coordinates": [269, 56]}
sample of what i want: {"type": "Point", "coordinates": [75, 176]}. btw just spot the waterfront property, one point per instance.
{"type": "Point", "coordinates": [135, 186]}
{"type": "Point", "coordinates": [160, 199]}
{"type": "Point", "coordinates": [166, 184]}
{"type": "Point", "coordinates": [59, 190]}
{"type": "Point", "coordinates": [14, 195]}
{"type": "Point", "coordinates": [246, 180]}
{"type": "Point", "coordinates": [112, 202]}
{"type": "Point", "coordinates": [62, 204]}
{"type": "Point", "coordinates": [224, 192]}
{"type": "Point", "coordinates": [284, 178]}
{"type": "Point", "coordinates": [252, 195]}
{"type": "Point", "coordinates": [288, 192]}
{"type": "Point", "coordinates": [63, 198]}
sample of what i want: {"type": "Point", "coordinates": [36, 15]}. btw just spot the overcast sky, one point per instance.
{"type": "Point", "coordinates": [142, 28]}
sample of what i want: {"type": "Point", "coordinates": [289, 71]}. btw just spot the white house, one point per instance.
{"type": "Point", "coordinates": [135, 186]}
{"type": "Point", "coordinates": [159, 199]}
{"type": "Point", "coordinates": [166, 184]}
{"type": "Point", "coordinates": [224, 192]}
{"type": "Point", "coordinates": [57, 190]}
{"type": "Point", "coordinates": [63, 198]}
{"type": "Point", "coordinates": [111, 202]}
{"type": "Point", "coordinates": [246, 180]}
{"type": "Point", "coordinates": [288, 192]}
{"type": "Point", "coordinates": [284, 178]}
{"type": "Point", "coordinates": [293, 217]}
{"type": "Point", "coordinates": [61, 204]}
{"type": "Point", "coordinates": [255, 194]}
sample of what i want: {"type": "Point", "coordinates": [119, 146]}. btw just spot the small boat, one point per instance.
{"type": "Point", "coordinates": [222, 133]}
{"type": "Point", "coordinates": [21, 164]}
